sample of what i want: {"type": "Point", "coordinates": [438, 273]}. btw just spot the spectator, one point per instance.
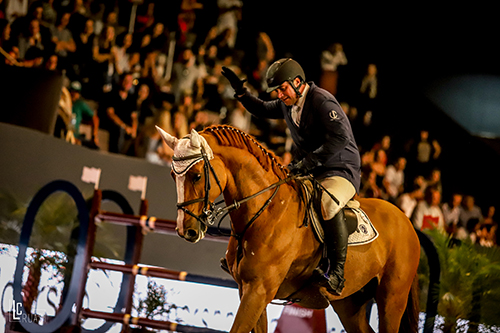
{"type": "Point", "coordinates": [82, 110]}
{"type": "Point", "coordinates": [32, 37]}
{"type": "Point", "coordinates": [65, 44]}
{"type": "Point", "coordinates": [200, 121]}
{"type": "Point", "coordinates": [230, 14]}
{"type": "Point", "coordinates": [186, 76]}
{"type": "Point", "coordinates": [122, 117]}
{"type": "Point", "coordinates": [370, 187]}
{"type": "Point", "coordinates": [159, 39]}
{"type": "Point", "coordinates": [126, 59]}
{"type": "Point", "coordinates": [352, 114]}
{"type": "Point", "coordinates": [394, 179]}
{"type": "Point", "coordinates": [49, 16]}
{"type": "Point", "coordinates": [112, 20]}
{"type": "Point", "coordinates": [51, 62]}
{"type": "Point", "coordinates": [21, 24]}
{"type": "Point", "coordinates": [79, 15]}
{"type": "Point", "coordinates": [144, 104]}
{"type": "Point", "coordinates": [185, 26]}
{"type": "Point", "coordinates": [145, 16]}
{"type": "Point", "coordinates": [435, 179]}
{"type": "Point", "coordinates": [239, 117]}
{"type": "Point", "coordinates": [5, 30]}
{"type": "Point", "coordinates": [365, 130]}
{"type": "Point", "coordinates": [187, 106]}
{"type": "Point", "coordinates": [489, 218]}
{"type": "Point", "coordinates": [223, 43]}
{"type": "Point", "coordinates": [385, 144]}
{"type": "Point", "coordinates": [103, 52]}
{"type": "Point", "coordinates": [204, 49]}
{"type": "Point", "coordinates": [144, 50]}
{"type": "Point", "coordinates": [369, 89]}
{"type": "Point", "coordinates": [83, 56]}
{"type": "Point", "coordinates": [33, 57]}
{"type": "Point", "coordinates": [424, 153]}
{"type": "Point", "coordinates": [485, 234]}
{"type": "Point", "coordinates": [378, 168]}
{"type": "Point", "coordinates": [265, 49]}
{"type": "Point", "coordinates": [149, 143]}
{"type": "Point", "coordinates": [471, 214]}
{"type": "Point", "coordinates": [428, 214]}
{"type": "Point", "coordinates": [180, 125]}
{"type": "Point", "coordinates": [64, 126]}
{"type": "Point", "coordinates": [451, 213]}
{"type": "Point", "coordinates": [408, 200]}
{"type": "Point", "coordinates": [167, 105]}
{"type": "Point", "coordinates": [331, 59]}
{"type": "Point", "coordinates": [15, 9]}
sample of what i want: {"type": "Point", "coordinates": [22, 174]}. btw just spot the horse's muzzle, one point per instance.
{"type": "Point", "coordinates": [195, 233]}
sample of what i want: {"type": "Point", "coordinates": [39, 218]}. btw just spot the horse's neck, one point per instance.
{"type": "Point", "coordinates": [247, 178]}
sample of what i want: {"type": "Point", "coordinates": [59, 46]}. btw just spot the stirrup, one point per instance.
{"type": "Point", "coordinates": [333, 283]}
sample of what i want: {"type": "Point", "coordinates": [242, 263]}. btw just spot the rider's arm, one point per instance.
{"type": "Point", "coordinates": [262, 109]}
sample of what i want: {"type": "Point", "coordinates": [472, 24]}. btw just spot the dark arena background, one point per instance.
{"type": "Point", "coordinates": [438, 70]}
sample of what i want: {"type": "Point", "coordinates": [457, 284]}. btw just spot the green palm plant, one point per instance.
{"type": "Point", "coordinates": [469, 283]}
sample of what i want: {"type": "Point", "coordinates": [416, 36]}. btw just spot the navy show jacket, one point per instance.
{"type": "Point", "coordinates": [324, 137]}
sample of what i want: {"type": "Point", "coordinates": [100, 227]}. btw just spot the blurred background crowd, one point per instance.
{"type": "Point", "coordinates": [131, 65]}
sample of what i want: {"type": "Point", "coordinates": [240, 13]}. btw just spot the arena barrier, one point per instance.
{"type": "Point", "coordinates": [70, 312]}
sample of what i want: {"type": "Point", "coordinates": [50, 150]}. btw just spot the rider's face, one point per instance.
{"type": "Point", "coordinates": [286, 92]}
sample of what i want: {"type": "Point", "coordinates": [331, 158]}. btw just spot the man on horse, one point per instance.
{"type": "Point", "coordinates": [325, 148]}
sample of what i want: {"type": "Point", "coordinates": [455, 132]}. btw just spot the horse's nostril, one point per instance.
{"type": "Point", "coordinates": [191, 233]}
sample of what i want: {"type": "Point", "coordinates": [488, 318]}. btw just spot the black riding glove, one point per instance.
{"type": "Point", "coordinates": [234, 80]}
{"type": "Point", "coordinates": [304, 166]}
{"type": "Point", "coordinates": [299, 168]}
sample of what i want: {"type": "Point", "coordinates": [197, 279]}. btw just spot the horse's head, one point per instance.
{"type": "Point", "coordinates": [194, 174]}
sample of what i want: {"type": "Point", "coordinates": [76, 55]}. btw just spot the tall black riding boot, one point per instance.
{"type": "Point", "coordinates": [336, 235]}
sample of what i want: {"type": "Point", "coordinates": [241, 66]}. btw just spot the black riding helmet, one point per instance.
{"type": "Point", "coordinates": [282, 70]}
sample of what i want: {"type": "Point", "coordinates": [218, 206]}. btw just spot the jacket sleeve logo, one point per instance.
{"type": "Point", "coordinates": [333, 115]}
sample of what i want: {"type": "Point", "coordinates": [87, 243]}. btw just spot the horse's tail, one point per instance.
{"type": "Point", "coordinates": [409, 322]}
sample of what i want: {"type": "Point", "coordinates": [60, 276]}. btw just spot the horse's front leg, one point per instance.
{"type": "Point", "coordinates": [261, 326]}
{"type": "Point", "coordinates": [251, 313]}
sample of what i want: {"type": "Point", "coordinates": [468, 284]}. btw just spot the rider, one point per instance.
{"type": "Point", "coordinates": [325, 148]}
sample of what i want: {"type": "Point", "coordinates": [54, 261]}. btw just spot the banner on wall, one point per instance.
{"type": "Point", "coordinates": [296, 319]}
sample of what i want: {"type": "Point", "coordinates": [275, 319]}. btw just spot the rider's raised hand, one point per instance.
{"type": "Point", "coordinates": [234, 80]}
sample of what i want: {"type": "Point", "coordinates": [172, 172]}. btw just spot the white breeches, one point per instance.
{"type": "Point", "coordinates": [340, 188]}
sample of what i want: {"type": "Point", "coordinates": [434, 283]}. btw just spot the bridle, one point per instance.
{"type": "Point", "coordinates": [210, 212]}
{"type": "Point", "coordinates": [207, 216]}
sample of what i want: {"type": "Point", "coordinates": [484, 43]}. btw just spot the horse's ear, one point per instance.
{"type": "Point", "coordinates": [195, 139]}
{"type": "Point", "coordinates": [170, 140]}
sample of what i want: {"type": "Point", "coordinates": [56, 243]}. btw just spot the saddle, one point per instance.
{"type": "Point", "coordinates": [361, 230]}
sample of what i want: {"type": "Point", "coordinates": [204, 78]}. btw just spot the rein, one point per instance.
{"type": "Point", "coordinates": [210, 213]}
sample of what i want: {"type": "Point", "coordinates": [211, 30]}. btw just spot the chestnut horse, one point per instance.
{"type": "Point", "coordinates": [272, 253]}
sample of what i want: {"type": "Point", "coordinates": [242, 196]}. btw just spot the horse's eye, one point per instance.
{"type": "Point", "coordinates": [196, 177]}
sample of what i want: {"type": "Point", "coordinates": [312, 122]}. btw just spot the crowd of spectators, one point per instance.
{"type": "Point", "coordinates": [122, 80]}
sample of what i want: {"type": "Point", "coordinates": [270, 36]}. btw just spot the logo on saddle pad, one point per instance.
{"type": "Point", "coordinates": [364, 233]}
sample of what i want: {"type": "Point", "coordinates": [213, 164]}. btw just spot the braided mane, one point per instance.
{"type": "Point", "coordinates": [231, 136]}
